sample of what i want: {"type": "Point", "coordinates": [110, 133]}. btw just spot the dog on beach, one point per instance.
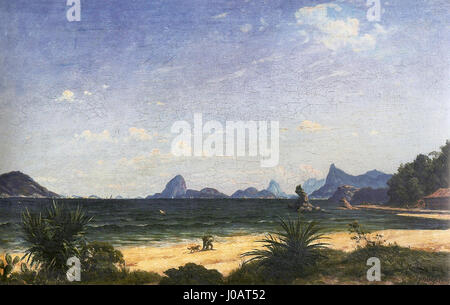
{"type": "Point", "coordinates": [194, 248]}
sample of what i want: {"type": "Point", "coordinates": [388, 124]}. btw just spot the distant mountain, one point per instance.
{"type": "Point", "coordinates": [336, 177]}
{"type": "Point", "coordinates": [94, 197]}
{"type": "Point", "coordinates": [176, 188]}
{"type": "Point", "coordinates": [118, 197]}
{"type": "Point", "coordinates": [205, 193]}
{"type": "Point", "coordinates": [252, 192]}
{"type": "Point", "coordinates": [312, 184]}
{"type": "Point", "coordinates": [359, 195]}
{"type": "Point", "coordinates": [276, 190]}
{"type": "Point", "coordinates": [17, 184]}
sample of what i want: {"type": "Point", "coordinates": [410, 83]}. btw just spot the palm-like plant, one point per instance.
{"type": "Point", "coordinates": [287, 253]}
{"type": "Point", "coordinates": [54, 237]}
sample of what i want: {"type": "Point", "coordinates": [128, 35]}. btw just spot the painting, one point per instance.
{"type": "Point", "coordinates": [236, 142]}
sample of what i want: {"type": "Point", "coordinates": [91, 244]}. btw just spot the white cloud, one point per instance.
{"type": "Point", "coordinates": [246, 28]}
{"type": "Point", "coordinates": [310, 126]}
{"type": "Point", "coordinates": [374, 132]}
{"type": "Point", "coordinates": [337, 33]}
{"type": "Point", "coordinates": [139, 134]}
{"type": "Point", "coordinates": [90, 136]}
{"type": "Point", "coordinates": [231, 76]}
{"type": "Point", "coordinates": [66, 96]}
{"type": "Point", "coordinates": [310, 171]}
{"type": "Point", "coordinates": [223, 15]}
{"type": "Point", "coordinates": [87, 92]}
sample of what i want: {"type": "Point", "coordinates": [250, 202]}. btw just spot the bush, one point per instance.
{"type": "Point", "coordinates": [54, 237]}
{"type": "Point", "coordinates": [287, 254]}
{"type": "Point", "coordinates": [399, 263]}
{"type": "Point", "coordinates": [192, 274]}
{"type": "Point", "coordinates": [100, 260]}
{"type": "Point", "coordinates": [247, 274]}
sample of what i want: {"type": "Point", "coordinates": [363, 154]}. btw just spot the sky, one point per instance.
{"type": "Point", "coordinates": [87, 107]}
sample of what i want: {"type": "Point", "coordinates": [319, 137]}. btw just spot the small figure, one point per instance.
{"type": "Point", "coordinates": [207, 242]}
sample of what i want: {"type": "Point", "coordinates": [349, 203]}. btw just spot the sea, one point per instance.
{"type": "Point", "coordinates": [160, 222]}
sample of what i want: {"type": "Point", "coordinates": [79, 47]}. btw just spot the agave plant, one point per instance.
{"type": "Point", "coordinates": [287, 253]}
{"type": "Point", "coordinates": [54, 237]}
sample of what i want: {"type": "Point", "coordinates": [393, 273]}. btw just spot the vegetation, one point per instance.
{"type": "Point", "coordinates": [192, 274]}
{"type": "Point", "coordinates": [421, 177]}
{"type": "Point", "coordinates": [7, 265]}
{"type": "Point", "coordinates": [399, 265]}
{"type": "Point", "coordinates": [100, 260]}
{"type": "Point", "coordinates": [287, 254]}
{"type": "Point", "coordinates": [54, 237]}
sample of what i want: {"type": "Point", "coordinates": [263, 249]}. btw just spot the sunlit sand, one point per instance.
{"type": "Point", "coordinates": [226, 254]}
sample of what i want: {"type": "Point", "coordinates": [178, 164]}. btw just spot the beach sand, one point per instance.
{"type": "Point", "coordinates": [226, 254]}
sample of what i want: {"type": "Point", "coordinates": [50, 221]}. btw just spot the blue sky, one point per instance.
{"type": "Point", "coordinates": [86, 107]}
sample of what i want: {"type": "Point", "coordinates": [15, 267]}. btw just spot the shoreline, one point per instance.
{"type": "Point", "coordinates": [227, 250]}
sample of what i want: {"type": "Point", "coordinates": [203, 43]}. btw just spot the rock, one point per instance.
{"type": "Point", "coordinates": [343, 191]}
{"type": "Point", "coordinates": [357, 196]}
{"type": "Point", "coordinates": [346, 204]}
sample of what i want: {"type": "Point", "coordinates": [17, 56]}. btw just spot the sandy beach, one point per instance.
{"type": "Point", "coordinates": [226, 254]}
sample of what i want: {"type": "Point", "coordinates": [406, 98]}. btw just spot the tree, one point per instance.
{"type": "Point", "coordinates": [421, 177]}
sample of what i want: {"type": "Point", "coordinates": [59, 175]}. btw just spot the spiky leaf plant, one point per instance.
{"type": "Point", "coordinates": [54, 237]}
{"type": "Point", "coordinates": [286, 254]}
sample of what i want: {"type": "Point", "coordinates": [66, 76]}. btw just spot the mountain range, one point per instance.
{"type": "Point", "coordinates": [17, 184]}
{"type": "Point", "coordinates": [176, 188]}
{"type": "Point", "coordinates": [337, 177]}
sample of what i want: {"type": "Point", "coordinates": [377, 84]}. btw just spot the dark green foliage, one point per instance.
{"type": "Point", "coordinates": [248, 274]}
{"type": "Point", "coordinates": [100, 260]}
{"type": "Point", "coordinates": [399, 264]}
{"type": "Point", "coordinates": [421, 177]}
{"type": "Point", "coordinates": [53, 238]}
{"type": "Point", "coordinates": [192, 274]}
{"type": "Point", "coordinates": [288, 253]}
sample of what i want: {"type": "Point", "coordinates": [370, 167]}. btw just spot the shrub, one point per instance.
{"type": "Point", "coordinates": [247, 274]}
{"type": "Point", "coordinates": [192, 274]}
{"type": "Point", "coordinates": [54, 237]}
{"type": "Point", "coordinates": [100, 260]}
{"type": "Point", "coordinates": [287, 254]}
